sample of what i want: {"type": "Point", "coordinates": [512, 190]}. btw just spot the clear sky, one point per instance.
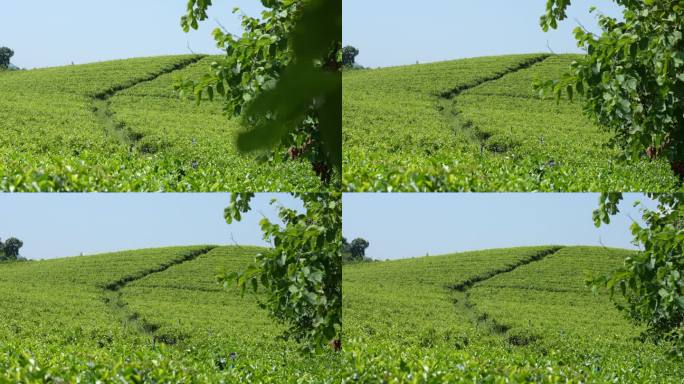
{"type": "Point", "coordinates": [49, 33]}
{"type": "Point", "coordinates": [398, 32]}
{"type": "Point", "coordinates": [58, 225]}
{"type": "Point", "coordinates": [409, 225]}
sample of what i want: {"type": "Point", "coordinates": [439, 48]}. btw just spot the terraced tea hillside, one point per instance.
{"type": "Point", "coordinates": [152, 315]}
{"type": "Point", "coordinates": [477, 124]}
{"type": "Point", "coordinates": [512, 315]}
{"type": "Point", "coordinates": [119, 126]}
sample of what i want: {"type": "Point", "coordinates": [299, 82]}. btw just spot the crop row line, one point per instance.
{"type": "Point", "coordinates": [461, 297]}
{"type": "Point", "coordinates": [447, 104]}
{"type": "Point", "coordinates": [109, 92]}
{"type": "Point", "coordinates": [113, 297]}
{"type": "Point", "coordinates": [101, 106]}
{"type": "Point", "coordinates": [466, 284]}
{"type": "Point", "coordinates": [452, 93]}
{"type": "Point", "coordinates": [118, 284]}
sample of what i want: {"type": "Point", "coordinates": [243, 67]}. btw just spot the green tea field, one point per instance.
{"type": "Point", "coordinates": [514, 315]}
{"type": "Point", "coordinates": [478, 125]}
{"type": "Point", "coordinates": [152, 316]}
{"type": "Point", "coordinates": [119, 126]}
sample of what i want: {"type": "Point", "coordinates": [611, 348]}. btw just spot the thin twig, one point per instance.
{"type": "Point", "coordinates": [548, 46]}
{"type": "Point", "coordinates": [224, 29]}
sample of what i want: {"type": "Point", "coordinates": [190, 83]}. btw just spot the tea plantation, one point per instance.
{"type": "Point", "coordinates": [478, 125]}
{"type": "Point", "coordinates": [513, 315]}
{"type": "Point", "coordinates": [119, 126]}
{"type": "Point", "coordinates": [156, 315]}
{"type": "Point", "coordinates": [152, 316]}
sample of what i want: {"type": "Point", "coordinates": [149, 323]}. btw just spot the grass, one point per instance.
{"type": "Point", "coordinates": [513, 315]}
{"type": "Point", "coordinates": [477, 125]}
{"type": "Point", "coordinates": [153, 315]}
{"type": "Point", "coordinates": [119, 126]}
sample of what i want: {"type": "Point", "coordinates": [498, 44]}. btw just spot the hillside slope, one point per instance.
{"type": "Point", "coordinates": [152, 315]}
{"type": "Point", "coordinates": [119, 126]}
{"type": "Point", "coordinates": [477, 124]}
{"type": "Point", "coordinates": [503, 315]}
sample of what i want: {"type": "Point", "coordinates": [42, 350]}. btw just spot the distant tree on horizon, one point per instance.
{"type": "Point", "coordinates": [358, 248]}
{"type": "Point", "coordinates": [10, 249]}
{"type": "Point", "coordinates": [349, 54]}
{"type": "Point", "coordinates": [5, 56]}
{"type": "Point", "coordinates": [354, 251]}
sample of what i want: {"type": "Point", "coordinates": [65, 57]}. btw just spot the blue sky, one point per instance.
{"type": "Point", "coordinates": [388, 32]}
{"type": "Point", "coordinates": [58, 225]}
{"type": "Point", "coordinates": [49, 33]}
{"type": "Point", "coordinates": [397, 225]}
{"type": "Point", "coordinates": [398, 32]}
{"type": "Point", "coordinates": [409, 225]}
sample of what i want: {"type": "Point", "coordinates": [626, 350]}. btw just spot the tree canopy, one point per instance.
{"type": "Point", "coordinates": [358, 248]}
{"type": "Point", "coordinates": [282, 77]}
{"type": "Point", "coordinates": [631, 79]}
{"type": "Point", "coordinates": [349, 54]}
{"type": "Point", "coordinates": [631, 82]}
{"type": "Point", "coordinates": [5, 56]}
{"type": "Point", "coordinates": [302, 274]}
{"type": "Point", "coordinates": [355, 251]}
{"type": "Point", "coordinates": [9, 250]}
{"type": "Point", "coordinates": [652, 280]}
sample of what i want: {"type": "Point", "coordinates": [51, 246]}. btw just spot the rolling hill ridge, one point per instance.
{"type": "Point", "coordinates": [152, 315]}
{"type": "Point", "coordinates": [119, 126]}
{"type": "Point", "coordinates": [477, 124]}
{"type": "Point", "coordinates": [500, 315]}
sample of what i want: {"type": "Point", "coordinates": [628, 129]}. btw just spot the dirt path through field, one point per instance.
{"type": "Point", "coordinates": [101, 106]}
{"type": "Point", "coordinates": [113, 297]}
{"type": "Point", "coordinates": [448, 106]}
{"type": "Point", "coordinates": [461, 297]}
{"type": "Point", "coordinates": [454, 92]}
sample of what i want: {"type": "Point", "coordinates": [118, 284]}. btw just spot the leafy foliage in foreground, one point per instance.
{"type": "Point", "coordinates": [61, 323]}
{"type": "Point", "coordinates": [303, 272]}
{"type": "Point", "coordinates": [478, 125]}
{"type": "Point", "coordinates": [632, 77]}
{"type": "Point", "coordinates": [100, 127]}
{"type": "Point", "coordinates": [283, 76]}
{"type": "Point", "coordinates": [536, 323]}
{"type": "Point", "coordinates": [651, 282]}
